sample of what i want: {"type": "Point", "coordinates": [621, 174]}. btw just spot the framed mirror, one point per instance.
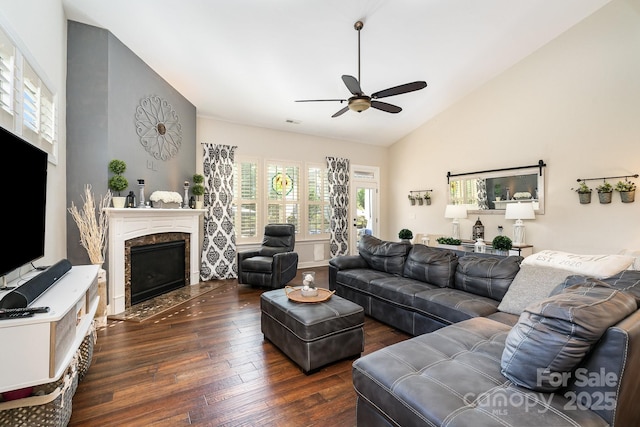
{"type": "Point", "coordinates": [489, 192]}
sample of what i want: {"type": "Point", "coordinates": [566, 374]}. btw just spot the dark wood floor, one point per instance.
{"type": "Point", "coordinates": [206, 363]}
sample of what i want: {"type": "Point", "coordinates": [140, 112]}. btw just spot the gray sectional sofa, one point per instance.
{"type": "Point", "coordinates": [571, 359]}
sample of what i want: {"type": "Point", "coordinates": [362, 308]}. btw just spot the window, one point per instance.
{"type": "Point", "coordinates": [245, 206]}
{"type": "Point", "coordinates": [276, 191]}
{"type": "Point", "coordinates": [283, 193]}
{"type": "Point", "coordinates": [318, 208]}
{"type": "Point", "coordinates": [27, 104]}
{"type": "Point", "coordinates": [7, 67]}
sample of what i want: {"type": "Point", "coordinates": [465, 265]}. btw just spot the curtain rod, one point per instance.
{"type": "Point", "coordinates": [540, 165]}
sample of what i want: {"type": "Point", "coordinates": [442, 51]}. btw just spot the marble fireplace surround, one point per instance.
{"type": "Point", "coordinates": [128, 223]}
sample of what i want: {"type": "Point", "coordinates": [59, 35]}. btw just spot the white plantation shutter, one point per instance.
{"type": "Point", "coordinates": [7, 67]}
{"type": "Point", "coordinates": [245, 206]}
{"type": "Point", "coordinates": [283, 189]}
{"type": "Point", "coordinates": [318, 208]}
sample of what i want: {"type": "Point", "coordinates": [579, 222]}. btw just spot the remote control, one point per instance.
{"type": "Point", "coordinates": [15, 315]}
{"type": "Point", "coordinates": [31, 310]}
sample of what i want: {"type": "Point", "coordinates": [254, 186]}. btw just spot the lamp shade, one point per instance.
{"type": "Point", "coordinates": [519, 211]}
{"type": "Point", "coordinates": [455, 211]}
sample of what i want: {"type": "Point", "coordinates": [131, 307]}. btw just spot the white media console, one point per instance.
{"type": "Point", "coordinates": [37, 350]}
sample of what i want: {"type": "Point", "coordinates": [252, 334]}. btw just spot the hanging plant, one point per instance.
{"type": "Point", "coordinates": [627, 190]}
{"type": "Point", "coordinates": [584, 193]}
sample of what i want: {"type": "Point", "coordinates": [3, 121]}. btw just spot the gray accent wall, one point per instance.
{"type": "Point", "coordinates": [105, 84]}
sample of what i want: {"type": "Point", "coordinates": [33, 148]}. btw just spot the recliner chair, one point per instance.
{"type": "Point", "coordinates": [274, 264]}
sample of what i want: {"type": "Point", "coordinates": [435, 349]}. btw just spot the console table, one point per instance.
{"type": "Point", "coordinates": [37, 350]}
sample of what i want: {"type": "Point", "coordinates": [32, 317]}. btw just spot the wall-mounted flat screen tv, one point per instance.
{"type": "Point", "coordinates": [24, 179]}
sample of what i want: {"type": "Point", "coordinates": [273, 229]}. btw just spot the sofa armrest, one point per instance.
{"type": "Point", "coordinates": [346, 262]}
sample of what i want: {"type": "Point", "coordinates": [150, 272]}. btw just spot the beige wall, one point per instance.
{"type": "Point", "coordinates": [271, 144]}
{"type": "Point", "coordinates": [575, 104]}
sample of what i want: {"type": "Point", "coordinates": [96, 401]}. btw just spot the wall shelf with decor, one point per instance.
{"type": "Point", "coordinates": [420, 197]}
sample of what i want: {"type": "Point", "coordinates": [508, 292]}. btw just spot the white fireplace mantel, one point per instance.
{"type": "Point", "coordinates": [129, 223]}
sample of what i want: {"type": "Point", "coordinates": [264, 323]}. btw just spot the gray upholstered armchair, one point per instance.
{"type": "Point", "coordinates": [274, 264]}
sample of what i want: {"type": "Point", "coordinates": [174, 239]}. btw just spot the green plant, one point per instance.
{"type": "Point", "coordinates": [605, 187]}
{"type": "Point", "coordinates": [501, 243]}
{"type": "Point", "coordinates": [198, 179]}
{"type": "Point", "coordinates": [117, 182]}
{"type": "Point", "coordinates": [582, 188]}
{"type": "Point", "coordinates": [625, 185]}
{"type": "Point", "coordinates": [411, 197]}
{"type": "Point", "coordinates": [405, 234]}
{"type": "Point", "coordinates": [427, 195]}
{"type": "Point", "coordinates": [448, 241]}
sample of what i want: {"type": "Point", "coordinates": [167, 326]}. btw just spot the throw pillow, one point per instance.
{"type": "Point", "coordinates": [552, 336]}
{"type": "Point", "coordinates": [626, 281]}
{"type": "Point", "coordinates": [531, 284]}
{"type": "Point", "coordinates": [598, 266]}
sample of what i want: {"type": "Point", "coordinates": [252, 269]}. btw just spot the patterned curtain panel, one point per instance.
{"type": "Point", "coordinates": [481, 190]}
{"type": "Point", "coordinates": [338, 178]}
{"type": "Point", "coordinates": [219, 246]}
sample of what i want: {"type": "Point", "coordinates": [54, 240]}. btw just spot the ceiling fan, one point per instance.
{"type": "Point", "coordinates": [359, 101]}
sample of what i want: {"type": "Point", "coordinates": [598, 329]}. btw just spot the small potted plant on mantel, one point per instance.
{"type": "Point", "coordinates": [449, 243]}
{"type": "Point", "coordinates": [118, 182]}
{"type": "Point", "coordinates": [198, 189]}
{"type": "Point", "coordinates": [627, 190]}
{"type": "Point", "coordinates": [584, 193]}
{"type": "Point", "coordinates": [604, 192]}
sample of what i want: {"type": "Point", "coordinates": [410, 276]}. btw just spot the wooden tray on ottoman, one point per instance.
{"type": "Point", "coordinates": [295, 294]}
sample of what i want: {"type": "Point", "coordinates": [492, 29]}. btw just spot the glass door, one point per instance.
{"type": "Point", "coordinates": [364, 205]}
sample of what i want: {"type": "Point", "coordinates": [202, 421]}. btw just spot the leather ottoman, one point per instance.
{"type": "Point", "coordinates": [312, 334]}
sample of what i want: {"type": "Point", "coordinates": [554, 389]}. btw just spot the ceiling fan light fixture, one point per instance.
{"type": "Point", "coordinates": [359, 104]}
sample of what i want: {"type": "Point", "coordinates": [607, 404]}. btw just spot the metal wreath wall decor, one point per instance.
{"type": "Point", "coordinates": [158, 127]}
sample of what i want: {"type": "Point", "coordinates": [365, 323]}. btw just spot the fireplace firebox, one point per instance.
{"type": "Point", "coordinates": [156, 269]}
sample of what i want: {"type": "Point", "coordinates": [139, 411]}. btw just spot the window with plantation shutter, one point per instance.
{"type": "Point", "coordinates": [318, 209]}
{"type": "Point", "coordinates": [245, 206]}
{"type": "Point", "coordinates": [27, 103]}
{"type": "Point", "coordinates": [283, 193]}
{"type": "Point", "coordinates": [7, 67]}
{"type": "Point", "coordinates": [38, 113]}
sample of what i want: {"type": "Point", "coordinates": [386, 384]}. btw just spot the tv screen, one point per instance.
{"type": "Point", "coordinates": [23, 219]}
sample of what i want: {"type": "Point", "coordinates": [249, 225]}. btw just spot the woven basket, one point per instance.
{"type": "Point", "coordinates": [85, 352]}
{"type": "Point", "coordinates": [51, 408]}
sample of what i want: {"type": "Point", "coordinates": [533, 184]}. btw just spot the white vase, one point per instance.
{"type": "Point", "coordinates": [199, 204]}
{"type": "Point", "coordinates": [118, 202]}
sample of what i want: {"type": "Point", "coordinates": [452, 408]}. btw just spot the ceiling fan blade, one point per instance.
{"type": "Point", "coordinates": [397, 90]}
{"type": "Point", "coordinates": [352, 84]}
{"type": "Point", "coordinates": [320, 100]}
{"type": "Point", "coordinates": [341, 112]}
{"type": "Point", "coordinates": [389, 108]}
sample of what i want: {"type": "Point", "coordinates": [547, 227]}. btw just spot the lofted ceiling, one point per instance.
{"type": "Point", "coordinates": [248, 61]}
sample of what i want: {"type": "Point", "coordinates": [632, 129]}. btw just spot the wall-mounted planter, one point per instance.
{"type": "Point", "coordinates": [585, 198]}
{"type": "Point", "coordinates": [605, 198]}
{"type": "Point", "coordinates": [628, 196]}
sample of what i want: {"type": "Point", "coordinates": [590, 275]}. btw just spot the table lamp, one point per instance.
{"type": "Point", "coordinates": [519, 211]}
{"type": "Point", "coordinates": [455, 212]}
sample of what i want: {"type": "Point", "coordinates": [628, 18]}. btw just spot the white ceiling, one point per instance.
{"type": "Point", "coordinates": [247, 61]}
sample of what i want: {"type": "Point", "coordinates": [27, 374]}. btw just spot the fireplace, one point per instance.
{"type": "Point", "coordinates": [129, 228]}
{"type": "Point", "coordinates": [155, 264]}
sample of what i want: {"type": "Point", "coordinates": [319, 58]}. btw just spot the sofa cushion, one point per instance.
{"type": "Point", "coordinates": [531, 284]}
{"type": "Point", "coordinates": [554, 335]}
{"type": "Point", "coordinates": [383, 255]}
{"type": "Point", "coordinates": [431, 265]}
{"type": "Point", "coordinates": [598, 266]}
{"type": "Point", "coordinates": [486, 276]}
{"type": "Point", "coordinates": [360, 278]}
{"type": "Point", "coordinates": [398, 290]}
{"type": "Point", "coordinates": [449, 305]}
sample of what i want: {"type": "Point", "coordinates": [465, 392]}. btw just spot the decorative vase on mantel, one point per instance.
{"type": "Point", "coordinates": [119, 201]}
